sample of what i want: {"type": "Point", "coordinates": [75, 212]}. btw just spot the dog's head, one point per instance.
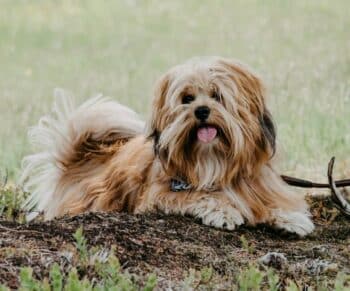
{"type": "Point", "coordinates": [210, 124]}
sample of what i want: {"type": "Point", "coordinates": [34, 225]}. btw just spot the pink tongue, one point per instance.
{"type": "Point", "coordinates": [206, 134]}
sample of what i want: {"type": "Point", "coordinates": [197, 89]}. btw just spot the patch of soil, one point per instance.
{"type": "Point", "coordinates": [171, 245]}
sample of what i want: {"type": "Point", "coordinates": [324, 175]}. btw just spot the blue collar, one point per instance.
{"type": "Point", "coordinates": [178, 185]}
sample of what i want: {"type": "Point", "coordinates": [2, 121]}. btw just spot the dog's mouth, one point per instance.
{"type": "Point", "coordinates": [206, 133]}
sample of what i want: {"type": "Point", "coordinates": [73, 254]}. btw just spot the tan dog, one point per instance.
{"type": "Point", "coordinates": [206, 152]}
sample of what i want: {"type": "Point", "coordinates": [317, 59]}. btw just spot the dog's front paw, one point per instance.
{"type": "Point", "coordinates": [227, 218]}
{"type": "Point", "coordinates": [295, 222]}
{"type": "Point", "coordinates": [215, 212]}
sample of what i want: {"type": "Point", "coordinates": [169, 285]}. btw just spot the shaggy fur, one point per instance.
{"type": "Point", "coordinates": [101, 157]}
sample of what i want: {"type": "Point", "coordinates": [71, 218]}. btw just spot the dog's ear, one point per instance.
{"type": "Point", "coordinates": [155, 136]}
{"type": "Point", "coordinates": [248, 83]}
{"type": "Point", "coordinates": [268, 129]}
{"type": "Point", "coordinates": [253, 92]}
{"type": "Point", "coordinates": [154, 126]}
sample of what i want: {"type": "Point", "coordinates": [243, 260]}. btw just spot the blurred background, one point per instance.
{"type": "Point", "coordinates": [119, 48]}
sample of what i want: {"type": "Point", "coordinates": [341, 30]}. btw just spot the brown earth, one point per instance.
{"type": "Point", "coordinates": [171, 245]}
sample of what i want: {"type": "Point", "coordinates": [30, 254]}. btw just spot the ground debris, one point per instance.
{"type": "Point", "coordinates": [316, 267]}
{"type": "Point", "coordinates": [274, 259]}
{"type": "Point", "coordinates": [171, 246]}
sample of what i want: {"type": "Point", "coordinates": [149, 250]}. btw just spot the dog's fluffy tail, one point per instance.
{"type": "Point", "coordinates": [57, 138]}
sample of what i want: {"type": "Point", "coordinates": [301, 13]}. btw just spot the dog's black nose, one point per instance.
{"type": "Point", "coordinates": [202, 113]}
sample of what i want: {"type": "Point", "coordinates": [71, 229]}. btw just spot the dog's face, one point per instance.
{"type": "Point", "coordinates": [210, 124]}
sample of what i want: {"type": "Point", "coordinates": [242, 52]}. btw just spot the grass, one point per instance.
{"type": "Point", "coordinates": [120, 48]}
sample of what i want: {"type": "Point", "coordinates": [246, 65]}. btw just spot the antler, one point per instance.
{"type": "Point", "coordinates": [338, 199]}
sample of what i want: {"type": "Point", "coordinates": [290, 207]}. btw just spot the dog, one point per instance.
{"type": "Point", "coordinates": [206, 151]}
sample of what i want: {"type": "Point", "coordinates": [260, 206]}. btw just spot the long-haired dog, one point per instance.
{"type": "Point", "coordinates": [206, 152]}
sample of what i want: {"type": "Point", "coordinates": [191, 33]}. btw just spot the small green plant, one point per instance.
{"type": "Point", "coordinates": [189, 280]}
{"type": "Point", "coordinates": [206, 275]}
{"type": "Point", "coordinates": [342, 280]}
{"type": "Point", "coordinates": [151, 283]}
{"type": "Point", "coordinates": [249, 247]}
{"type": "Point", "coordinates": [291, 286]}
{"type": "Point", "coordinates": [196, 278]}
{"type": "Point", "coordinates": [56, 277]}
{"type": "Point", "coordinates": [29, 283]}
{"type": "Point", "coordinates": [74, 284]}
{"type": "Point", "coordinates": [11, 199]}
{"type": "Point", "coordinates": [110, 279]}
{"type": "Point", "coordinates": [80, 244]}
{"type": "Point", "coordinates": [273, 280]}
{"type": "Point", "coordinates": [110, 271]}
{"type": "Point", "coordinates": [250, 279]}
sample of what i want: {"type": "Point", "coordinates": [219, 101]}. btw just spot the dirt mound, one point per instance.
{"type": "Point", "coordinates": [171, 245]}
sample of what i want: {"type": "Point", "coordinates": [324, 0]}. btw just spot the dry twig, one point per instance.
{"type": "Point", "coordinates": [338, 199]}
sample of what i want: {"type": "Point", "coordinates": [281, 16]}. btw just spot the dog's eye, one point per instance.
{"type": "Point", "coordinates": [216, 96]}
{"type": "Point", "coordinates": [187, 99]}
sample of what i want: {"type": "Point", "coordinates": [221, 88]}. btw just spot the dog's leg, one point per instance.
{"type": "Point", "coordinates": [212, 210]}
{"type": "Point", "coordinates": [292, 221]}
{"type": "Point", "coordinates": [275, 203]}
{"type": "Point", "coordinates": [215, 212]}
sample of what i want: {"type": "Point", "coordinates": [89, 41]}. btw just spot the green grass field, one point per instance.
{"type": "Point", "coordinates": [119, 48]}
